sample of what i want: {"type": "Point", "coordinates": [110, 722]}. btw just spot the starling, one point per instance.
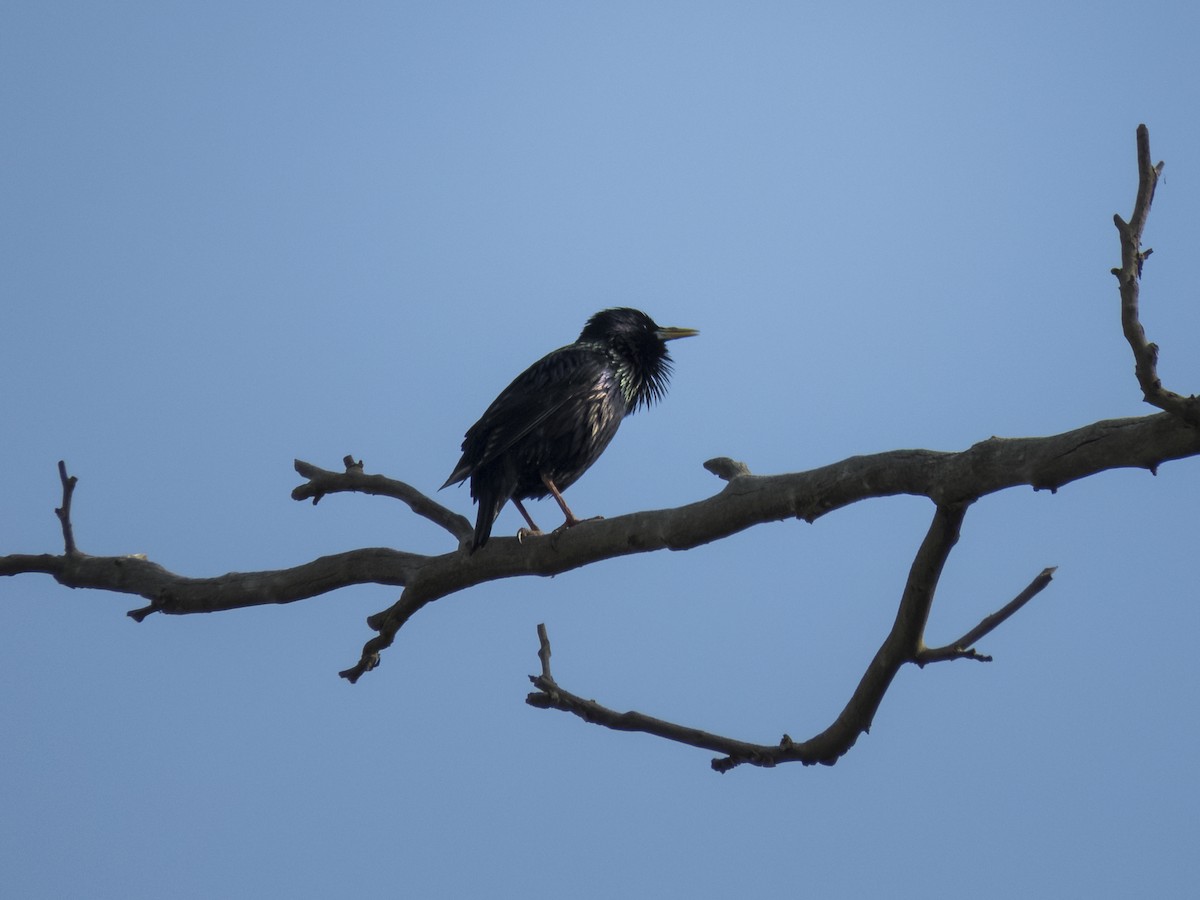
{"type": "Point", "coordinates": [547, 427]}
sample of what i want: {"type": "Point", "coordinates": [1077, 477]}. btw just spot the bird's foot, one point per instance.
{"type": "Point", "coordinates": [523, 533]}
{"type": "Point", "coordinates": [572, 522]}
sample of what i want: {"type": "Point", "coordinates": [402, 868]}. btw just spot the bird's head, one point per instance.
{"type": "Point", "coordinates": [639, 348]}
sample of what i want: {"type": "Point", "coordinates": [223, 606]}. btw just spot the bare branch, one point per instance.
{"type": "Point", "coordinates": [64, 512]}
{"type": "Point", "coordinates": [322, 481]}
{"type": "Point", "coordinates": [550, 696]}
{"type": "Point", "coordinates": [902, 645]}
{"type": "Point", "coordinates": [178, 595]}
{"type": "Point", "coordinates": [953, 481]}
{"type": "Point", "coordinates": [963, 648]}
{"type": "Point", "coordinates": [1145, 353]}
{"type": "Point", "coordinates": [747, 500]}
{"type": "Point", "coordinates": [899, 647]}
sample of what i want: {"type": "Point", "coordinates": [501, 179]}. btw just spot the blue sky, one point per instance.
{"type": "Point", "coordinates": [237, 234]}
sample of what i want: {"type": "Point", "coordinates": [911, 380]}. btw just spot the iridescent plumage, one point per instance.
{"type": "Point", "coordinates": [555, 419]}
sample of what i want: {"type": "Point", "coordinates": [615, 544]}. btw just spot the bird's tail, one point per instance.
{"type": "Point", "coordinates": [491, 499]}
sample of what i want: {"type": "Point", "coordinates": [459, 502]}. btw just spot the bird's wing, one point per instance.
{"type": "Point", "coordinates": [567, 375]}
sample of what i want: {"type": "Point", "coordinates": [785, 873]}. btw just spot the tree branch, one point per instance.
{"type": "Point", "coordinates": [64, 512]}
{"type": "Point", "coordinates": [903, 644]}
{"type": "Point", "coordinates": [1145, 353]}
{"type": "Point", "coordinates": [964, 647]}
{"type": "Point", "coordinates": [550, 696]}
{"type": "Point", "coordinates": [746, 500]}
{"type": "Point", "coordinates": [952, 480]}
{"type": "Point", "coordinates": [322, 481]}
{"type": "Point", "coordinates": [178, 595]}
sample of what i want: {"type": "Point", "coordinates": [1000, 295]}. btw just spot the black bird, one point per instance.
{"type": "Point", "coordinates": [555, 419]}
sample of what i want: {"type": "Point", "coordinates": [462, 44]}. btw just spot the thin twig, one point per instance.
{"type": "Point", "coordinates": [964, 647]}
{"type": "Point", "coordinates": [322, 481]}
{"type": "Point", "coordinates": [1145, 353]}
{"type": "Point", "coordinates": [64, 512]}
{"type": "Point", "coordinates": [550, 696]}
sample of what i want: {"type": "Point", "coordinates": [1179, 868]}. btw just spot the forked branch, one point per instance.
{"type": "Point", "coordinates": [952, 481]}
{"type": "Point", "coordinates": [964, 647]}
{"type": "Point", "coordinates": [64, 512]}
{"type": "Point", "coordinates": [1129, 275]}
{"type": "Point", "coordinates": [900, 647]}
{"type": "Point", "coordinates": [322, 481]}
{"type": "Point", "coordinates": [905, 642]}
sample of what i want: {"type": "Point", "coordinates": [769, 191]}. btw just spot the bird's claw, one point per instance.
{"type": "Point", "coordinates": [572, 522]}
{"type": "Point", "coordinates": [523, 533]}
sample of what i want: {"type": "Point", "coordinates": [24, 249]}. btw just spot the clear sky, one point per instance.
{"type": "Point", "coordinates": [239, 233]}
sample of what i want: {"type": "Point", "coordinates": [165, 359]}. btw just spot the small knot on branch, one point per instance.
{"type": "Point", "coordinates": [725, 468]}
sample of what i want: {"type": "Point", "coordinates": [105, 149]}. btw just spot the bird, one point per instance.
{"type": "Point", "coordinates": [547, 428]}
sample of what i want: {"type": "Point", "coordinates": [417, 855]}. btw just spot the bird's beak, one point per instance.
{"type": "Point", "coordinates": [670, 334]}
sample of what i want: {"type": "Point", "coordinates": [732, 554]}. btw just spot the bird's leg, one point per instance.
{"type": "Point", "coordinates": [532, 529]}
{"type": "Point", "coordinates": [571, 521]}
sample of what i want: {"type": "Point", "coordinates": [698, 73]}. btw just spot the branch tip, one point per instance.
{"type": "Point", "coordinates": [368, 662]}
{"type": "Point", "coordinates": [964, 647]}
{"type": "Point", "coordinates": [1133, 258]}
{"type": "Point", "coordinates": [64, 512]}
{"type": "Point", "coordinates": [139, 615]}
